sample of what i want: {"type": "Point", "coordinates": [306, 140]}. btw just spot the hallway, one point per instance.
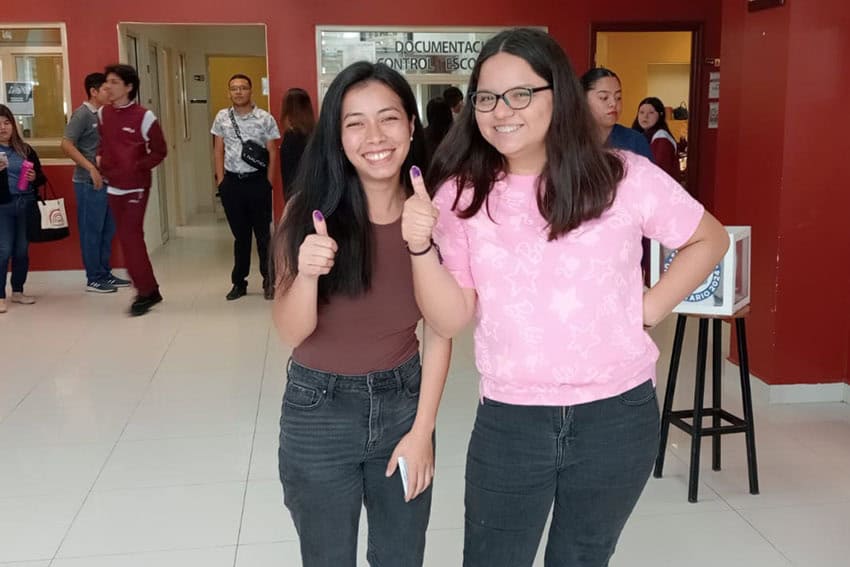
{"type": "Point", "coordinates": [152, 441]}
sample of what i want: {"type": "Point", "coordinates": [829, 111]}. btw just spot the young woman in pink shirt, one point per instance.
{"type": "Point", "coordinates": [539, 230]}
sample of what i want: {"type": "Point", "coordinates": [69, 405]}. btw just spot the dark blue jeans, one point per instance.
{"type": "Point", "coordinates": [337, 434]}
{"type": "Point", "coordinates": [13, 241]}
{"type": "Point", "coordinates": [97, 229]}
{"type": "Point", "coordinates": [592, 460]}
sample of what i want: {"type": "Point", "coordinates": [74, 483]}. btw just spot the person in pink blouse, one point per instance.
{"type": "Point", "coordinates": [534, 231]}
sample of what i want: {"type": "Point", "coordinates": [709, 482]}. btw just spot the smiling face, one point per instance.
{"type": "Point", "coordinates": [605, 99]}
{"type": "Point", "coordinates": [376, 132]}
{"type": "Point", "coordinates": [519, 135]}
{"type": "Point", "coordinates": [647, 116]}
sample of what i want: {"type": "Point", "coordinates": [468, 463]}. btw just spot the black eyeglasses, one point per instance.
{"type": "Point", "coordinates": [516, 98]}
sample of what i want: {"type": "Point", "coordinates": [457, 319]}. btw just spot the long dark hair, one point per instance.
{"type": "Point", "coordinates": [580, 178]}
{"type": "Point", "coordinates": [440, 119]}
{"type": "Point", "coordinates": [326, 181]}
{"type": "Point", "coordinates": [298, 109]}
{"type": "Point", "coordinates": [15, 142]}
{"type": "Point", "coordinates": [655, 103]}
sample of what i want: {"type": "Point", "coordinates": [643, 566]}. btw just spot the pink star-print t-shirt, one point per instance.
{"type": "Point", "coordinates": [561, 322]}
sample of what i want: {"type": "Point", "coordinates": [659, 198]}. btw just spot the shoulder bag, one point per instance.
{"type": "Point", "coordinates": [253, 153]}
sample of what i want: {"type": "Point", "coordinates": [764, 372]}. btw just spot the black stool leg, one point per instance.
{"type": "Point", "coordinates": [669, 393]}
{"type": "Point", "coordinates": [699, 395]}
{"type": "Point", "coordinates": [716, 358]}
{"type": "Point", "coordinates": [747, 399]}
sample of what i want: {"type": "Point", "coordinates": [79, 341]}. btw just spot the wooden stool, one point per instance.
{"type": "Point", "coordinates": [696, 429]}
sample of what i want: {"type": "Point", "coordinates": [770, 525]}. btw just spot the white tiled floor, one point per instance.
{"type": "Point", "coordinates": [152, 442]}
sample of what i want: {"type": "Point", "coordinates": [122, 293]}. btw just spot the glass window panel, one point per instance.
{"type": "Point", "coordinates": [409, 52]}
{"type": "Point", "coordinates": [430, 58]}
{"type": "Point", "coordinates": [34, 84]}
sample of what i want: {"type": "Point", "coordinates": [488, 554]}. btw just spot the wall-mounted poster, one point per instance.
{"type": "Point", "coordinates": [753, 5]}
{"type": "Point", "coordinates": [714, 85]}
{"type": "Point", "coordinates": [19, 98]}
{"type": "Point", "coordinates": [713, 114]}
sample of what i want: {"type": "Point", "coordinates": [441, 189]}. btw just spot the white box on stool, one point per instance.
{"type": "Point", "coordinates": [726, 289]}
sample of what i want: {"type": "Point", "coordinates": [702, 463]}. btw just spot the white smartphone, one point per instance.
{"type": "Point", "coordinates": [402, 470]}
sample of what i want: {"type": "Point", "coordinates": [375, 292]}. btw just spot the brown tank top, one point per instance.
{"type": "Point", "coordinates": [376, 330]}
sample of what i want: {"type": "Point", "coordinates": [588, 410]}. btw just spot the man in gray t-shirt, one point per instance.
{"type": "Point", "coordinates": [246, 191]}
{"type": "Point", "coordinates": [96, 225]}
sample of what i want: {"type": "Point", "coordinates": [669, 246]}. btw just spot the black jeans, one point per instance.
{"type": "Point", "coordinates": [247, 203]}
{"type": "Point", "coordinates": [337, 434]}
{"type": "Point", "coordinates": [592, 460]}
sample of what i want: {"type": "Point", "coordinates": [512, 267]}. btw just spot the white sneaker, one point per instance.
{"type": "Point", "coordinates": [2, 305]}
{"type": "Point", "coordinates": [19, 297]}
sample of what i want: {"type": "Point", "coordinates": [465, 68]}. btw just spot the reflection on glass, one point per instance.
{"type": "Point", "coordinates": [33, 84]}
{"type": "Point", "coordinates": [44, 73]}
{"type": "Point", "coordinates": [430, 60]}
{"type": "Point", "coordinates": [409, 52]}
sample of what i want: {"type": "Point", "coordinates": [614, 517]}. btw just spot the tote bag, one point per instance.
{"type": "Point", "coordinates": [47, 220]}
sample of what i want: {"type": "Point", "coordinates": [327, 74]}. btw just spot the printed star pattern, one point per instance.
{"type": "Point", "coordinates": [561, 322]}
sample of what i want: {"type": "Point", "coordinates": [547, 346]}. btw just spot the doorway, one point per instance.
{"type": "Point", "coordinates": [221, 67]}
{"type": "Point", "coordinates": [183, 90]}
{"type": "Point", "coordinates": [219, 70]}
{"type": "Point", "coordinates": [659, 60]}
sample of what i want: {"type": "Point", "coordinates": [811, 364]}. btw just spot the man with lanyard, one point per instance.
{"type": "Point", "coordinates": [96, 224]}
{"type": "Point", "coordinates": [245, 188]}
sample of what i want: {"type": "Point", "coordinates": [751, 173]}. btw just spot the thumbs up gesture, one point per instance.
{"type": "Point", "coordinates": [419, 216]}
{"type": "Point", "coordinates": [316, 254]}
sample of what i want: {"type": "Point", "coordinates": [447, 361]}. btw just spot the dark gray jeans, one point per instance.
{"type": "Point", "coordinates": [337, 434]}
{"type": "Point", "coordinates": [592, 460]}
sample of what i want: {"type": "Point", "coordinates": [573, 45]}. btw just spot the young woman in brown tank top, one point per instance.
{"type": "Point", "coordinates": [357, 398]}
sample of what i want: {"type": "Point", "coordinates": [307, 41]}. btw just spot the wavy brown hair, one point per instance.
{"type": "Point", "coordinates": [580, 178]}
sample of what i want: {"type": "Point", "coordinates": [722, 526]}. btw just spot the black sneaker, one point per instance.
{"type": "Point", "coordinates": [102, 286]}
{"type": "Point", "coordinates": [143, 303]}
{"type": "Point", "coordinates": [117, 282]}
{"type": "Point", "coordinates": [236, 292]}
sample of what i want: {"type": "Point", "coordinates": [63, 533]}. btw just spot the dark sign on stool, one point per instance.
{"type": "Point", "coordinates": [695, 428]}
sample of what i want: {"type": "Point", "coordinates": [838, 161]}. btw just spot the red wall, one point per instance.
{"type": "Point", "coordinates": [782, 167]}
{"type": "Point", "coordinates": [750, 155]}
{"type": "Point", "coordinates": [93, 43]}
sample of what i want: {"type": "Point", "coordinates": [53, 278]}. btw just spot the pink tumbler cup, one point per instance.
{"type": "Point", "coordinates": [26, 167]}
